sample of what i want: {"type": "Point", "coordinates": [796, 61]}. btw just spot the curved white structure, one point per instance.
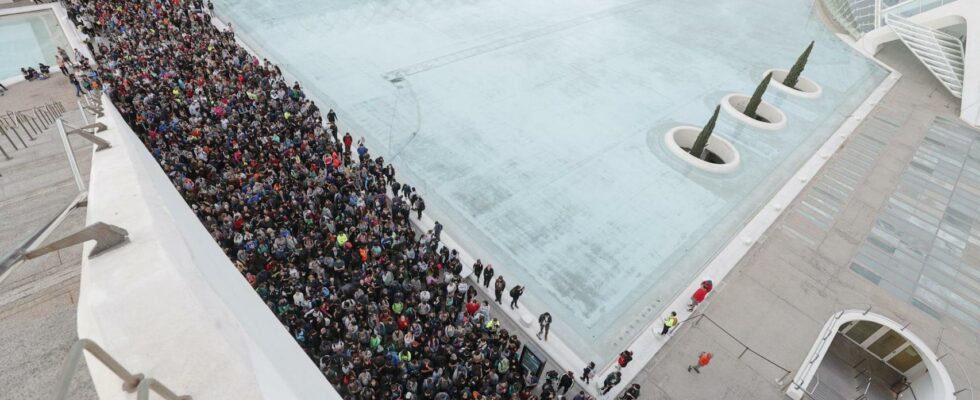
{"type": "Point", "coordinates": [805, 87]}
{"type": "Point", "coordinates": [685, 136]}
{"type": "Point", "coordinates": [735, 103]}
{"type": "Point", "coordinates": [935, 384]}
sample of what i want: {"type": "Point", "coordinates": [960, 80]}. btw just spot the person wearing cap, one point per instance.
{"type": "Point", "coordinates": [669, 323]}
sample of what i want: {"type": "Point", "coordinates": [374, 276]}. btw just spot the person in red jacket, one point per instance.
{"type": "Point", "coordinates": [472, 307]}
{"type": "Point", "coordinates": [700, 294]}
{"type": "Point", "coordinates": [703, 360]}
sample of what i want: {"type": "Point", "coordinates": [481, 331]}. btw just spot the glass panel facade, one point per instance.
{"type": "Point", "coordinates": [862, 330]}
{"type": "Point", "coordinates": [905, 359]}
{"type": "Point", "coordinates": [886, 344]}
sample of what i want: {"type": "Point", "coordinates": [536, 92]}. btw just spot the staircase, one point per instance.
{"type": "Point", "coordinates": [941, 53]}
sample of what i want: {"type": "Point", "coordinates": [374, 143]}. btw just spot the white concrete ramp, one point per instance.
{"type": "Point", "coordinates": [940, 52]}
{"type": "Point", "coordinates": [944, 16]}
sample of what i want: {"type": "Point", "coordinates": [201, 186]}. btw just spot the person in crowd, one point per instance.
{"type": "Point", "coordinates": [323, 236]}
{"type": "Point", "coordinates": [62, 65]}
{"type": "Point", "coordinates": [78, 85]}
{"type": "Point", "coordinates": [566, 382]}
{"type": "Point", "coordinates": [45, 69]}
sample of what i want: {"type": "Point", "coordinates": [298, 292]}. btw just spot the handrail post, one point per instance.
{"type": "Point", "coordinates": [71, 156]}
{"type": "Point", "coordinates": [4, 133]}
{"type": "Point", "coordinates": [148, 384]}
{"type": "Point", "coordinates": [130, 381]}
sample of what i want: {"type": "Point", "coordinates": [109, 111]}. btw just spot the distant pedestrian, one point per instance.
{"type": "Point", "coordinates": [669, 323]}
{"type": "Point", "coordinates": [331, 116]}
{"type": "Point", "coordinates": [703, 360]}
{"type": "Point", "coordinates": [61, 64]}
{"type": "Point", "coordinates": [515, 293]}
{"type": "Point", "coordinates": [587, 372]}
{"type": "Point", "coordinates": [348, 141]}
{"type": "Point", "coordinates": [611, 380]}
{"type": "Point", "coordinates": [624, 358]}
{"type": "Point", "coordinates": [487, 275]}
{"type": "Point", "coordinates": [632, 393]}
{"type": "Point", "coordinates": [565, 382]}
{"type": "Point", "coordinates": [419, 207]}
{"type": "Point", "coordinates": [478, 270]}
{"type": "Point", "coordinates": [545, 322]}
{"type": "Point", "coordinates": [3, 89]}
{"type": "Point", "coordinates": [700, 294]}
{"type": "Point", "coordinates": [78, 86]}
{"type": "Point", "coordinates": [498, 289]}
{"type": "Point", "coordinates": [437, 231]}
{"type": "Point", "coordinates": [582, 396]}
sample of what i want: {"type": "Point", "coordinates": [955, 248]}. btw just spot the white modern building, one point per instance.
{"type": "Point", "coordinates": [551, 138]}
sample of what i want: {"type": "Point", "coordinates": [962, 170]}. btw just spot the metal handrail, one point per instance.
{"type": "Point", "coordinates": [138, 383]}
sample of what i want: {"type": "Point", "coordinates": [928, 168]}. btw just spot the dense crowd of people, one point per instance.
{"type": "Point", "coordinates": [316, 224]}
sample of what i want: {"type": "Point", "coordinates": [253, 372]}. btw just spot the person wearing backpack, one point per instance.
{"type": "Point", "coordinates": [515, 293]}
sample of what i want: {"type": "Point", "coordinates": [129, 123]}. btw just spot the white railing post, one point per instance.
{"type": "Point", "coordinates": [71, 156]}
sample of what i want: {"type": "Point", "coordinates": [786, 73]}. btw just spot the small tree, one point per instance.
{"type": "Point", "coordinates": [794, 73]}
{"type": "Point", "coordinates": [756, 99]}
{"type": "Point", "coordinates": [701, 142]}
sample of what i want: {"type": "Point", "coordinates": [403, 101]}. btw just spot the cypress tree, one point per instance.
{"type": "Point", "coordinates": [697, 149]}
{"type": "Point", "coordinates": [756, 99]}
{"type": "Point", "coordinates": [794, 73]}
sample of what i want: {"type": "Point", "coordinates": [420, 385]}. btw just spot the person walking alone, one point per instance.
{"type": "Point", "coordinates": [669, 323]}
{"type": "Point", "coordinates": [611, 380]}
{"type": "Point", "coordinates": [478, 270]}
{"type": "Point", "coordinates": [545, 322]}
{"type": "Point", "coordinates": [703, 360]}
{"type": "Point", "coordinates": [498, 289]}
{"type": "Point", "coordinates": [587, 372]}
{"type": "Point", "coordinates": [487, 275]}
{"type": "Point", "coordinates": [515, 293]}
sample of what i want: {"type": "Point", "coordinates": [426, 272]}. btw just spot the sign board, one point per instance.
{"type": "Point", "coordinates": [531, 363]}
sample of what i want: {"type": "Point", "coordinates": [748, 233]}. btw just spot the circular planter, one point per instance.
{"type": "Point", "coordinates": [683, 137]}
{"type": "Point", "coordinates": [735, 103]}
{"type": "Point", "coordinates": [805, 87]}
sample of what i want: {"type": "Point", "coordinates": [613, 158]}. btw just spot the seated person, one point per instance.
{"type": "Point", "coordinates": [29, 73]}
{"type": "Point", "coordinates": [45, 69]}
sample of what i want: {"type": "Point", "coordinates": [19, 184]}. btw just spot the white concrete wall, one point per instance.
{"type": "Point", "coordinates": [169, 303]}
{"type": "Point", "coordinates": [955, 13]}
{"type": "Point", "coordinates": [935, 385]}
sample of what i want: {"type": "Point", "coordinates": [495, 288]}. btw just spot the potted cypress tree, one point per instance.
{"type": "Point", "coordinates": [794, 73]}
{"type": "Point", "coordinates": [793, 82]}
{"type": "Point", "coordinates": [698, 149]}
{"type": "Point", "coordinates": [751, 109]}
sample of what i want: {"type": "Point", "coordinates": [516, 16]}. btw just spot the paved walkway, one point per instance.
{"type": "Point", "coordinates": [37, 298]}
{"type": "Point", "coordinates": [780, 295]}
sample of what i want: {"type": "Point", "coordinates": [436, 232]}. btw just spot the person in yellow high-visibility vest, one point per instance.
{"type": "Point", "coordinates": [669, 323]}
